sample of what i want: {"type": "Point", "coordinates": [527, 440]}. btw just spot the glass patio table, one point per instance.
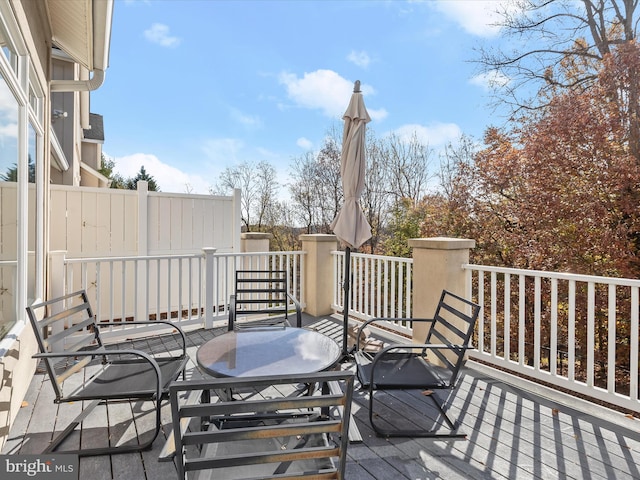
{"type": "Point", "coordinates": [268, 351]}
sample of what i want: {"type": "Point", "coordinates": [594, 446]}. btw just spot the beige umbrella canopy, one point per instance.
{"type": "Point", "coordinates": [350, 225]}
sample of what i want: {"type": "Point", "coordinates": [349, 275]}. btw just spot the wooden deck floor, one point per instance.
{"type": "Point", "coordinates": [513, 433]}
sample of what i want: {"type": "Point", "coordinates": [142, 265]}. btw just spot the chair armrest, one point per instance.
{"type": "Point", "coordinates": [405, 346]}
{"type": "Point", "coordinates": [423, 346]}
{"type": "Point", "coordinates": [298, 307]}
{"type": "Point", "coordinates": [102, 352]}
{"type": "Point", "coordinates": [388, 319]}
{"type": "Point", "coordinates": [232, 312]}
{"type": "Point", "coordinates": [151, 322]}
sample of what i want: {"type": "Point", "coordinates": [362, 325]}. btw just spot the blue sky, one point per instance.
{"type": "Point", "coordinates": [195, 86]}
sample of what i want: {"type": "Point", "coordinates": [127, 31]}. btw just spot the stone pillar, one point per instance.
{"type": "Point", "coordinates": [319, 275]}
{"type": "Point", "coordinates": [255, 242]}
{"type": "Point", "coordinates": [437, 265]}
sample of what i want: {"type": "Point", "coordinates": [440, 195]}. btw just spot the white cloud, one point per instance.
{"type": "Point", "coordinates": [433, 135]}
{"type": "Point", "coordinates": [305, 143]}
{"type": "Point", "coordinates": [245, 119]}
{"type": "Point", "coordinates": [477, 17]}
{"type": "Point", "coordinates": [323, 89]}
{"type": "Point", "coordinates": [490, 80]}
{"type": "Point", "coordinates": [222, 151]}
{"type": "Point", "coordinates": [327, 91]}
{"type": "Point", "coordinates": [168, 178]}
{"type": "Point", "coordinates": [361, 59]}
{"type": "Point", "coordinates": [377, 113]}
{"type": "Point", "coordinates": [8, 131]}
{"type": "Point", "coordinates": [159, 33]}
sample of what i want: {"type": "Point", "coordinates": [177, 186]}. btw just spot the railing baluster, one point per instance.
{"type": "Point", "coordinates": [158, 282]}
{"type": "Point", "coordinates": [507, 316]}
{"type": "Point", "coordinates": [591, 324]}
{"type": "Point", "coordinates": [481, 317]}
{"type": "Point", "coordinates": [633, 343]}
{"type": "Point", "coordinates": [571, 331]}
{"type": "Point", "coordinates": [379, 267]}
{"type": "Point", "coordinates": [521, 319]}
{"type": "Point", "coordinates": [494, 313]}
{"type": "Point", "coordinates": [123, 281]}
{"type": "Point", "coordinates": [111, 289]}
{"type": "Point", "coordinates": [409, 307]}
{"type": "Point", "coordinates": [536, 323]}
{"type": "Point", "coordinates": [553, 355]}
{"type": "Point", "coordinates": [611, 341]}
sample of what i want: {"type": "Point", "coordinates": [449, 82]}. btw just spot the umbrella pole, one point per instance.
{"type": "Point", "coordinates": [347, 287]}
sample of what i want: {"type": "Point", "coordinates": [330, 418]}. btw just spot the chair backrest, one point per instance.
{"type": "Point", "coordinates": [64, 324]}
{"type": "Point", "coordinates": [454, 323]}
{"type": "Point", "coordinates": [262, 292]}
{"type": "Point", "coordinates": [268, 430]}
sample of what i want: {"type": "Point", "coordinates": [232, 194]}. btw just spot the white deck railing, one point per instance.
{"type": "Point", "coordinates": [577, 332]}
{"type": "Point", "coordinates": [191, 290]}
{"type": "Point", "coordinates": [380, 287]}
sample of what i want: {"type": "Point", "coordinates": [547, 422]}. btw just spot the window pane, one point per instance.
{"type": "Point", "coordinates": [33, 215]}
{"type": "Point", "coordinates": [8, 206]}
{"type": "Point", "coordinates": [8, 51]}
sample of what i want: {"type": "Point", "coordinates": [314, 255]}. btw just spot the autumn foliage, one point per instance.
{"type": "Point", "coordinates": [560, 190]}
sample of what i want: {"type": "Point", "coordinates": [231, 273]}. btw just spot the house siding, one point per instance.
{"type": "Point", "coordinates": [29, 25]}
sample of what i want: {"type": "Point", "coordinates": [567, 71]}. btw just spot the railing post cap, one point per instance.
{"type": "Point", "coordinates": [209, 249]}
{"type": "Point", "coordinates": [256, 236]}
{"type": "Point", "coordinates": [442, 243]}
{"type": "Point", "coordinates": [318, 237]}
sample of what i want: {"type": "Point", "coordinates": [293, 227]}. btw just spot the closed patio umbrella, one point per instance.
{"type": "Point", "coordinates": [350, 225]}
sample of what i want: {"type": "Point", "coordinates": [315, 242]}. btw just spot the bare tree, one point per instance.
{"type": "Point", "coordinates": [330, 179]}
{"type": "Point", "coordinates": [257, 182]}
{"type": "Point", "coordinates": [266, 188]}
{"type": "Point", "coordinates": [554, 44]}
{"type": "Point", "coordinates": [316, 188]}
{"type": "Point", "coordinates": [408, 163]}
{"type": "Point", "coordinates": [376, 200]}
{"type": "Point", "coordinates": [454, 157]}
{"type": "Point", "coordinates": [303, 189]}
{"type": "Point", "coordinates": [560, 45]}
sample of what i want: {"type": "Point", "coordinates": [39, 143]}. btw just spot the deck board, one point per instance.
{"type": "Point", "coordinates": [511, 432]}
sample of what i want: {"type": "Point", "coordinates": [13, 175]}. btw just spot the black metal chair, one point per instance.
{"type": "Point", "coordinates": [268, 431]}
{"type": "Point", "coordinates": [69, 340]}
{"type": "Point", "coordinates": [263, 295]}
{"type": "Point", "coordinates": [433, 365]}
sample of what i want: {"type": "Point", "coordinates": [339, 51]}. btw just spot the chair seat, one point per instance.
{"type": "Point", "coordinates": [132, 379]}
{"type": "Point", "coordinates": [401, 371]}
